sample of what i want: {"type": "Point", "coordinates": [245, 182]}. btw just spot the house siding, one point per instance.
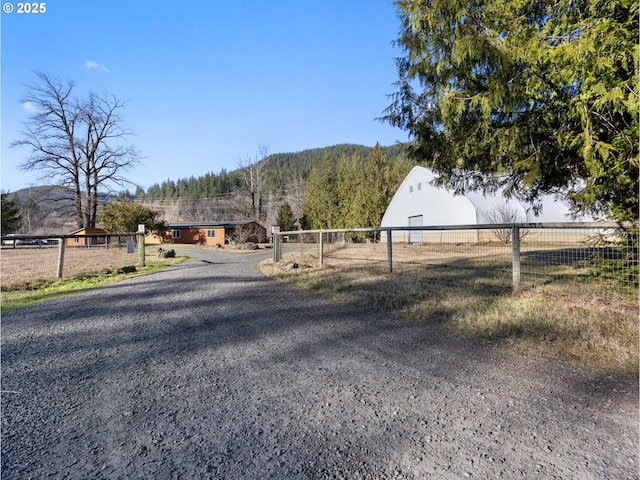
{"type": "Point", "coordinates": [190, 236]}
{"type": "Point", "coordinates": [196, 234]}
{"type": "Point", "coordinates": [85, 241]}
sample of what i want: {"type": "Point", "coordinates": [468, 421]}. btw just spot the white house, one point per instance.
{"type": "Point", "coordinates": [419, 203]}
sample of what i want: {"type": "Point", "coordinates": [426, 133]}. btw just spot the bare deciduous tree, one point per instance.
{"type": "Point", "coordinates": [198, 209]}
{"type": "Point", "coordinates": [251, 232]}
{"type": "Point", "coordinates": [253, 172]}
{"type": "Point", "coordinates": [503, 213]}
{"type": "Point", "coordinates": [81, 144]}
{"type": "Point", "coordinates": [295, 197]}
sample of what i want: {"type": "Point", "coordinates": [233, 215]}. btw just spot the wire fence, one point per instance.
{"type": "Point", "coordinates": [27, 259]}
{"type": "Point", "coordinates": [588, 260]}
{"type": "Point", "coordinates": [595, 260]}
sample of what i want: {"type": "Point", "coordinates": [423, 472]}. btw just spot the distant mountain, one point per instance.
{"type": "Point", "coordinates": [280, 169]}
{"type": "Point", "coordinates": [47, 208]}
{"type": "Point", "coordinates": [47, 199]}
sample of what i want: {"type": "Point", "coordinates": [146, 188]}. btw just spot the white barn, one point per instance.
{"type": "Point", "coordinates": [419, 203]}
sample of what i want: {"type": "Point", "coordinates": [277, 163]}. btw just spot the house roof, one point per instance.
{"type": "Point", "coordinates": [91, 230]}
{"type": "Point", "coordinates": [210, 224]}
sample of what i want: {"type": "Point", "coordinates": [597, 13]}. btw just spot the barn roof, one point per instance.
{"type": "Point", "coordinates": [417, 196]}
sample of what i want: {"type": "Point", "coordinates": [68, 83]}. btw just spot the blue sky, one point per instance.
{"type": "Point", "coordinates": [209, 82]}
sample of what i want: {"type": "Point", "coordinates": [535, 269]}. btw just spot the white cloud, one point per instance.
{"type": "Point", "coordinates": [91, 64]}
{"type": "Point", "coordinates": [30, 107]}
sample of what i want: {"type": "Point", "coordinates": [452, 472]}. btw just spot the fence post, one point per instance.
{"type": "Point", "coordinates": [389, 252]}
{"type": "Point", "coordinates": [61, 245]}
{"type": "Point", "coordinates": [141, 250]}
{"type": "Point", "coordinates": [301, 242]}
{"type": "Point", "coordinates": [321, 249]}
{"type": "Point", "coordinates": [277, 246]}
{"type": "Point", "coordinates": [515, 257]}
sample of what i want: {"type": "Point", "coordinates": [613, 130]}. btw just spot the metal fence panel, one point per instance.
{"type": "Point", "coordinates": [592, 260]}
{"type": "Point", "coordinates": [29, 259]}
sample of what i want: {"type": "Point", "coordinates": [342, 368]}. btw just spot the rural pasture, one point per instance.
{"type": "Point", "coordinates": [564, 309]}
{"type": "Point", "coordinates": [29, 264]}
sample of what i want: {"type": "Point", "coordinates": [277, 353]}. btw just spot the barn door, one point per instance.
{"type": "Point", "coordinates": [415, 237]}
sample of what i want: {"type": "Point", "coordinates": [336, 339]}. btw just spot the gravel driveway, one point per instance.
{"type": "Point", "coordinates": [210, 370]}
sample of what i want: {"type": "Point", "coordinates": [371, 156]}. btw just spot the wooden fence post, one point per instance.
{"type": "Point", "coordinates": [515, 257]}
{"type": "Point", "coordinates": [141, 251]}
{"type": "Point", "coordinates": [277, 247]}
{"type": "Point", "coordinates": [60, 267]}
{"type": "Point", "coordinates": [321, 249]}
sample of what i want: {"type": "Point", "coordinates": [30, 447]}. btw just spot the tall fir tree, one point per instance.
{"type": "Point", "coordinates": [285, 220]}
{"type": "Point", "coordinates": [321, 197]}
{"type": "Point", "coordinates": [537, 97]}
{"type": "Point", "coordinates": [349, 176]}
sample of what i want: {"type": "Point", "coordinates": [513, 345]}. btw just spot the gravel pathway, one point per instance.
{"type": "Point", "coordinates": [210, 370]}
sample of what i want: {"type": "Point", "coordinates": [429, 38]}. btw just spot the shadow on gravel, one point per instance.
{"type": "Point", "coordinates": [169, 313]}
{"type": "Point", "coordinates": [214, 371]}
{"type": "Point", "coordinates": [201, 306]}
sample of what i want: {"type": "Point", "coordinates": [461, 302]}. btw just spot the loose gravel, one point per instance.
{"type": "Point", "coordinates": [210, 370]}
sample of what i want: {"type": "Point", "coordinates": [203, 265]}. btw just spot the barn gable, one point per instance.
{"type": "Point", "coordinates": [419, 202]}
{"type": "Point", "coordinates": [417, 197]}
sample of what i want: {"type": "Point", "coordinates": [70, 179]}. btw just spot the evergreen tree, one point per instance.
{"type": "Point", "coordinates": [139, 193]}
{"type": "Point", "coordinates": [371, 192]}
{"type": "Point", "coordinates": [286, 221]}
{"type": "Point", "coordinates": [119, 217]}
{"type": "Point", "coordinates": [399, 169]}
{"type": "Point", "coordinates": [353, 192]}
{"type": "Point", "coordinates": [321, 200]}
{"type": "Point", "coordinates": [372, 195]}
{"type": "Point", "coordinates": [349, 176]}
{"type": "Point", "coordinates": [10, 213]}
{"type": "Point", "coordinates": [537, 97]}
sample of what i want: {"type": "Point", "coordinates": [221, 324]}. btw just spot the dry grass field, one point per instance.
{"type": "Point", "coordinates": [32, 263]}
{"type": "Point", "coordinates": [561, 312]}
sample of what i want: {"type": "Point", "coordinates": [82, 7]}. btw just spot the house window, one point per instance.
{"type": "Point", "coordinates": [76, 239]}
{"type": "Point", "coordinates": [419, 186]}
{"type": "Point", "coordinates": [410, 188]}
{"type": "Point", "coordinates": [175, 233]}
{"type": "Point", "coordinates": [211, 234]}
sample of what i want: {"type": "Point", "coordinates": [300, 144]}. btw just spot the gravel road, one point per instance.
{"type": "Point", "coordinates": [210, 370]}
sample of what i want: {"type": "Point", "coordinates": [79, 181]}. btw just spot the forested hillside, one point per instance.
{"type": "Point", "coordinates": [359, 182]}
{"type": "Point", "coordinates": [279, 171]}
{"type": "Point", "coordinates": [338, 186]}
